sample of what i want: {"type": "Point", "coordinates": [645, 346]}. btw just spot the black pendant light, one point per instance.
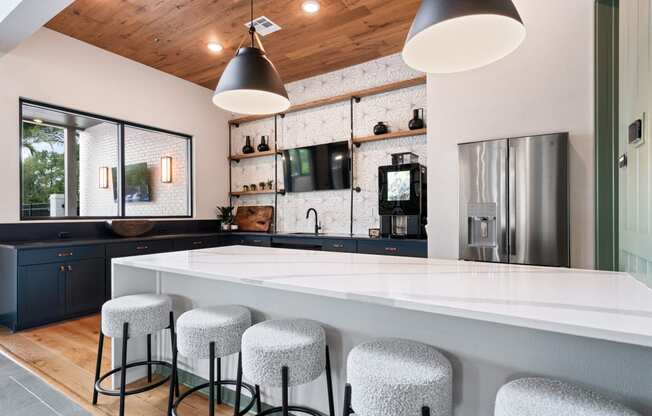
{"type": "Point", "coordinates": [458, 35]}
{"type": "Point", "coordinates": [250, 84]}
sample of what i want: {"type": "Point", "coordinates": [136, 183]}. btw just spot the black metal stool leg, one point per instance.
{"type": "Point", "coordinates": [425, 411]}
{"type": "Point", "coordinates": [211, 380]}
{"type": "Point", "coordinates": [173, 340]}
{"type": "Point", "coordinates": [98, 363]}
{"type": "Point", "coordinates": [172, 385]}
{"type": "Point", "coordinates": [218, 380]}
{"type": "Point", "coordinates": [149, 358]}
{"type": "Point", "coordinates": [238, 387]}
{"type": "Point", "coordinates": [347, 400]}
{"type": "Point", "coordinates": [259, 406]}
{"type": "Point", "coordinates": [123, 372]}
{"type": "Point", "coordinates": [329, 384]}
{"type": "Point", "coordinates": [284, 375]}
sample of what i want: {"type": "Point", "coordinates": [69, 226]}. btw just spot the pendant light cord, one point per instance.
{"type": "Point", "coordinates": [252, 29]}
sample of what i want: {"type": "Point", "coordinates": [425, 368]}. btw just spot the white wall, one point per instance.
{"type": "Point", "coordinates": [545, 86]}
{"type": "Point", "coordinates": [329, 124]}
{"type": "Point", "coordinates": [57, 69]}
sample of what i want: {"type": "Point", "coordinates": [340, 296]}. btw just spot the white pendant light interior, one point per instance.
{"type": "Point", "coordinates": [254, 102]}
{"type": "Point", "coordinates": [463, 43]}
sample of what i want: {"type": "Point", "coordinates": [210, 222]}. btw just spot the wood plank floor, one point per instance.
{"type": "Point", "coordinates": [64, 356]}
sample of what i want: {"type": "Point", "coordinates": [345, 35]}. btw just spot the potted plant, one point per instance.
{"type": "Point", "coordinates": [225, 214]}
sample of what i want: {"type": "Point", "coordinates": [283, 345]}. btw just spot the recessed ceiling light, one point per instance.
{"type": "Point", "coordinates": [310, 6]}
{"type": "Point", "coordinates": [37, 121]}
{"type": "Point", "coordinates": [214, 47]}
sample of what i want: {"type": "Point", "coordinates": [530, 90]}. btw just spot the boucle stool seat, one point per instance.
{"type": "Point", "coordinates": [284, 353]}
{"type": "Point", "coordinates": [145, 314]}
{"type": "Point", "coordinates": [221, 325]}
{"type": "Point", "coordinates": [128, 317]}
{"type": "Point", "coordinates": [212, 333]}
{"type": "Point", "coordinates": [297, 344]}
{"type": "Point", "coordinates": [397, 377]}
{"type": "Point", "coordinates": [546, 397]}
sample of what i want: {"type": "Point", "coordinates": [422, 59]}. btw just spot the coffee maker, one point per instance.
{"type": "Point", "coordinates": [402, 197]}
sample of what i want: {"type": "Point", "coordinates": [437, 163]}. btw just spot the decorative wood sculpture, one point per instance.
{"type": "Point", "coordinates": [130, 228]}
{"type": "Point", "coordinates": [254, 218]}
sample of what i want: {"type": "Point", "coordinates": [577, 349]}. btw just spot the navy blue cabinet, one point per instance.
{"type": "Point", "coordinates": [198, 242]}
{"type": "Point", "coordinates": [85, 286]}
{"type": "Point", "coordinates": [406, 248]}
{"type": "Point", "coordinates": [343, 245]}
{"type": "Point", "coordinates": [55, 291]}
{"type": "Point", "coordinates": [250, 240]}
{"type": "Point", "coordinates": [41, 294]}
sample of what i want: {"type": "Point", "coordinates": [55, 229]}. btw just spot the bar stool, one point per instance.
{"type": "Point", "coordinates": [209, 333]}
{"type": "Point", "coordinates": [284, 353]}
{"type": "Point", "coordinates": [545, 397]}
{"type": "Point", "coordinates": [129, 317]}
{"type": "Point", "coordinates": [397, 377]}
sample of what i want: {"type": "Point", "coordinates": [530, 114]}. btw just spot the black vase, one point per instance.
{"type": "Point", "coordinates": [263, 146]}
{"type": "Point", "coordinates": [380, 128]}
{"type": "Point", "coordinates": [417, 122]}
{"type": "Point", "coordinates": [248, 148]}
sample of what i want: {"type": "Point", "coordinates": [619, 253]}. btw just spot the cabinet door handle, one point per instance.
{"type": "Point", "coordinates": [258, 241]}
{"type": "Point", "coordinates": [391, 249]}
{"type": "Point", "coordinates": [197, 243]}
{"type": "Point", "coordinates": [65, 254]}
{"type": "Point", "coordinates": [338, 245]}
{"type": "Point", "coordinates": [142, 248]}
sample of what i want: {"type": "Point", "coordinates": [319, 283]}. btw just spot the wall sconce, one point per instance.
{"type": "Point", "coordinates": [104, 177]}
{"type": "Point", "coordinates": [166, 169]}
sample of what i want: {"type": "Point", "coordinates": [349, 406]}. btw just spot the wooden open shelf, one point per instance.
{"type": "Point", "coordinates": [238, 158]}
{"type": "Point", "coordinates": [242, 193]}
{"type": "Point", "coordinates": [392, 135]}
{"type": "Point", "coordinates": [339, 98]}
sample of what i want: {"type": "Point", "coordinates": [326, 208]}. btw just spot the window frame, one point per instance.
{"type": "Point", "coordinates": [121, 124]}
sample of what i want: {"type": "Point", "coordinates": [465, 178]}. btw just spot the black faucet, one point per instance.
{"type": "Point", "coordinates": [317, 225]}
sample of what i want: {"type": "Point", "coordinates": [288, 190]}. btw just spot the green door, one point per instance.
{"type": "Point", "coordinates": [635, 178]}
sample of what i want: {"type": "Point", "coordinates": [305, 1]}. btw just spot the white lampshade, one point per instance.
{"type": "Point", "coordinates": [450, 36]}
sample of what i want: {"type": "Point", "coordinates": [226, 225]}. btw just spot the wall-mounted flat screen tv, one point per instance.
{"type": "Point", "coordinates": [317, 168]}
{"type": "Point", "coordinates": [136, 183]}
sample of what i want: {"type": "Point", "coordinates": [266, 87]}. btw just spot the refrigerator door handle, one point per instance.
{"type": "Point", "coordinates": [512, 200]}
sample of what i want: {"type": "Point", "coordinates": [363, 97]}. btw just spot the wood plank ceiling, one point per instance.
{"type": "Point", "coordinates": [171, 35]}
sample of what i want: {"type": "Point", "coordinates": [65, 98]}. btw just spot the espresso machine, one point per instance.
{"type": "Point", "coordinates": [402, 197]}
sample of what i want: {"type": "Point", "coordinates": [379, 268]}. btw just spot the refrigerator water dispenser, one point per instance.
{"type": "Point", "coordinates": [482, 227]}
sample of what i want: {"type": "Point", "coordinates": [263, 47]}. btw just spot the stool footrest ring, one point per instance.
{"type": "Point", "coordinates": [218, 384]}
{"type": "Point", "coordinates": [300, 409]}
{"type": "Point", "coordinates": [137, 390]}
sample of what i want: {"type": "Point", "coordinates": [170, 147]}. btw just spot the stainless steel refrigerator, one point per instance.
{"type": "Point", "coordinates": [514, 200]}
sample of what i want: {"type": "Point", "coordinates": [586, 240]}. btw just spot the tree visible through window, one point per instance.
{"type": "Point", "coordinates": [43, 167]}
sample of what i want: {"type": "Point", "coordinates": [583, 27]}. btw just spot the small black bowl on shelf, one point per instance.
{"type": "Point", "coordinates": [381, 128]}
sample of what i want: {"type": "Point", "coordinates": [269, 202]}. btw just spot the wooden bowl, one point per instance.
{"type": "Point", "coordinates": [130, 228]}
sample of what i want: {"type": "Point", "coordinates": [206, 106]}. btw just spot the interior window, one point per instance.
{"type": "Point", "coordinates": [71, 167]}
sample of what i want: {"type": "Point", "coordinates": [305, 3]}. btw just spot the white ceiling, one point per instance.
{"type": "Point", "coordinates": [19, 19]}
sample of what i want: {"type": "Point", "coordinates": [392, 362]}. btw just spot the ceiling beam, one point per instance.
{"type": "Point", "coordinates": [19, 19]}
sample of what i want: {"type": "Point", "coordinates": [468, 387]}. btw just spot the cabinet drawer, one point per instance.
{"type": "Point", "coordinates": [252, 240]}
{"type": "Point", "coordinates": [62, 254]}
{"type": "Point", "coordinates": [196, 243]}
{"type": "Point", "coordinates": [138, 248]}
{"type": "Point", "coordinates": [347, 246]}
{"type": "Point", "coordinates": [394, 248]}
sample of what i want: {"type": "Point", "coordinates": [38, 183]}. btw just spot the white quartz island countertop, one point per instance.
{"type": "Point", "coordinates": [601, 305]}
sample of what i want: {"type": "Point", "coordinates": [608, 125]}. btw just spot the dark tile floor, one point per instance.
{"type": "Point", "coordinates": [24, 394]}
